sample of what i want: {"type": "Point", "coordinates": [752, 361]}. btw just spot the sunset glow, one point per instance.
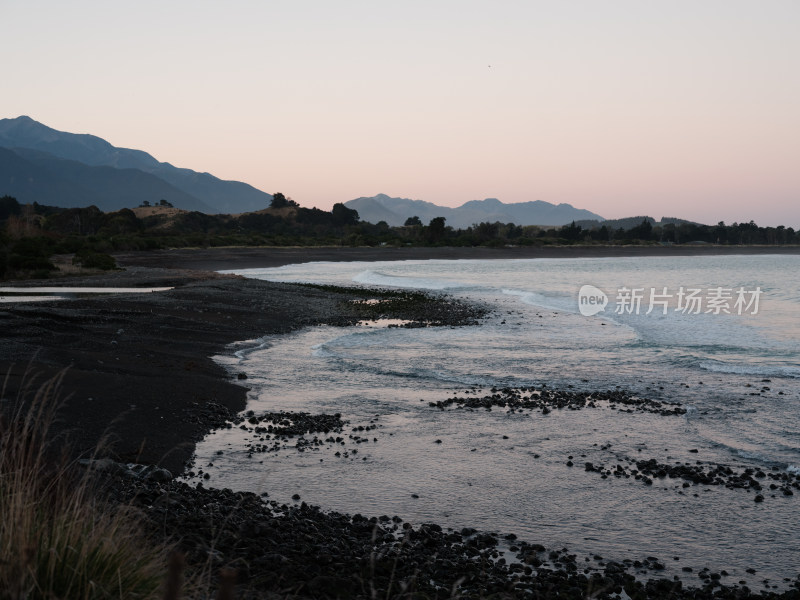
{"type": "Point", "coordinates": [623, 108]}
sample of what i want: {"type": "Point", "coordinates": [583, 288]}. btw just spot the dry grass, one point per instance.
{"type": "Point", "coordinates": [63, 262]}
{"type": "Point", "coordinates": [57, 539]}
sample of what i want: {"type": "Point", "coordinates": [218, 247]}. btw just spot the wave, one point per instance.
{"type": "Point", "coordinates": [247, 347]}
{"type": "Point", "coordinates": [757, 456]}
{"type": "Point", "coordinates": [750, 369]}
{"type": "Point", "coordinates": [376, 278]}
{"type": "Point", "coordinates": [566, 304]}
{"type": "Point", "coordinates": [358, 364]}
{"type": "Point", "coordinates": [559, 303]}
{"type": "Point", "coordinates": [430, 375]}
{"type": "Point", "coordinates": [320, 351]}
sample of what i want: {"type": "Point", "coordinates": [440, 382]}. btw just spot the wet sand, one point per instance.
{"type": "Point", "coordinates": [138, 367]}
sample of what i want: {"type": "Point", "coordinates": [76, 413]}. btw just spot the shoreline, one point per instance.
{"type": "Point", "coordinates": [217, 259]}
{"type": "Point", "coordinates": [154, 351]}
{"type": "Point", "coordinates": [139, 367]}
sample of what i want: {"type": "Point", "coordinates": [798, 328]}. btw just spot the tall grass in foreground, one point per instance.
{"type": "Point", "coordinates": [57, 539]}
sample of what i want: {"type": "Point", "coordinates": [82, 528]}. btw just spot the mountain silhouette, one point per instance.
{"type": "Point", "coordinates": [395, 211]}
{"type": "Point", "coordinates": [60, 160]}
{"type": "Point", "coordinates": [31, 175]}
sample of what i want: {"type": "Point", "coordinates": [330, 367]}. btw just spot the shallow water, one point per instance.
{"type": "Point", "coordinates": [9, 295]}
{"type": "Point", "coordinates": [713, 364]}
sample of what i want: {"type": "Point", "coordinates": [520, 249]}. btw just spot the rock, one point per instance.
{"type": "Point", "coordinates": [159, 475]}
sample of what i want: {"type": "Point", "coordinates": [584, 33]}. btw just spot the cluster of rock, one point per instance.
{"type": "Point", "coordinates": [546, 400]}
{"type": "Point", "coordinates": [775, 479]}
{"type": "Point", "coordinates": [300, 551]}
{"type": "Point", "coordinates": [281, 430]}
{"type": "Point", "coordinates": [276, 431]}
{"type": "Point", "coordinates": [417, 308]}
{"type": "Point", "coordinates": [287, 423]}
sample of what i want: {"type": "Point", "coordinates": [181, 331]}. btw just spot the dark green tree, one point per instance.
{"type": "Point", "coordinates": [278, 201]}
{"type": "Point", "coordinates": [281, 201]}
{"type": "Point", "coordinates": [436, 230]}
{"type": "Point", "coordinates": [412, 221]}
{"type": "Point", "coordinates": [571, 232]}
{"type": "Point", "coordinates": [8, 206]}
{"type": "Point", "coordinates": [343, 215]}
{"type": "Point", "coordinates": [602, 234]}
{"type": "Point", "coordinates": [643, 231]}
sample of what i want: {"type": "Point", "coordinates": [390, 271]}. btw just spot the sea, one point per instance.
{"type": "Point", "coordinates": [718, 334]}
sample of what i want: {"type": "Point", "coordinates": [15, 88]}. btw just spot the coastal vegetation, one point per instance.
{"type": "Point", "coordinates": [31, 234]}
{"type": "Point", "coordinates": [58, 539]}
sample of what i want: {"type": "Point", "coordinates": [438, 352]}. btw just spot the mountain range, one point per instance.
{"type": "Point", "coordinates": [41, 164]}
{"type": "Point", "coordinates": [630, 222]}
{"type": "Point", "coordinates": [395, 211]}
{"type": "Point", "coordinates": [57, 168]}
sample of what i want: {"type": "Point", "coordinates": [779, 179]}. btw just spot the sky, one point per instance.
{"type": "Point", "coordinates": [680, 108]}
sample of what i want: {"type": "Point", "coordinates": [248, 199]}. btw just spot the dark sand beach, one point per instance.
{"type": "Point", "coordinates": [139, 370]}
{"type": "Point", "coordinates": [138, 366]}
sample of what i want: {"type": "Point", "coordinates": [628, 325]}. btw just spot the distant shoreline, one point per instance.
{"type": "Point", "coordinates": [216, 259]}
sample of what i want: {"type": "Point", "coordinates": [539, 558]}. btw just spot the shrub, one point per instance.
{"type": "Point", "coordinates": [57, 539]}
{"type": "Point", "coordinates": [95, 260]}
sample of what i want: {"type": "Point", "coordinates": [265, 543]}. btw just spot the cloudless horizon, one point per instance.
{"type": "Point", "coordinates": [622, 108]}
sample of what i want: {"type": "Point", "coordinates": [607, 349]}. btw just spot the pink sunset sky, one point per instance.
{"type": "Point", "coordinates": [679, 108]}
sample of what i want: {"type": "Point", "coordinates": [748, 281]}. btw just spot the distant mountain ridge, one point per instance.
{"type": "Point", "coordinates": [629, 222]}
{"type": "Point", "coordinates": [44, 165]}
{"type": "Point", "coordinates": [33, 176]}
{"type": "Point", "coordinates": [395, 211]}
{"type": "Point", "coordinates": [61, 167]}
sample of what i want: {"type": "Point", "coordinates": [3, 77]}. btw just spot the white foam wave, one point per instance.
{"type": "Point", "coordinates": [543, 301]}
{"type": "Point", "coordinates": [320, 351]}
{"type": "Point", "coordinates": [794, 470]}
{"type": "Point", "coordinates": [757, 370]}
{"type": "Point", "coordinates": [565, 304]}
{"type": "Point", "coordinates": [752, 455]}
{"type": "Point", "coordinates": [247, 347]}
{"type": "Point", "coordinates": [376, 278]}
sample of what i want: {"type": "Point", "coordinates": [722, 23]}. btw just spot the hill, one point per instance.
{"type": "Point", "coordinates": [395, 211]}
{"type": "Point", "coordinates": [630, 222]}
{"type": "Point", "coordinates": [191, 190]}
{"type": "Point", "coordinates": [43, 178]}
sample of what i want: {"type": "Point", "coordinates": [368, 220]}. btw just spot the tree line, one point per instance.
{"type": "Point", "coordinates": [30, 235]}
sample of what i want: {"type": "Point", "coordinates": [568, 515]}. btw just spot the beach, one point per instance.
{"type": "Point", "coordinates": [141, 370]}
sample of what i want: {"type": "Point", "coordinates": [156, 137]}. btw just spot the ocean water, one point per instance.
{"type": "Point", "coordinates": [738, 375]}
